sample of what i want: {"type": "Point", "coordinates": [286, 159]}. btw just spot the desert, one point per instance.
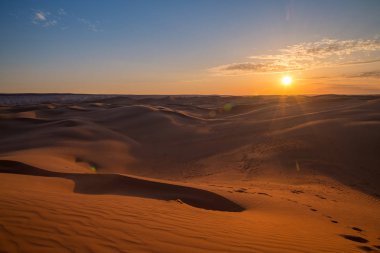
{"type": "Point", "coordinates": [190, 174]}
{"type": "Point", "coordinates": [191, 126]}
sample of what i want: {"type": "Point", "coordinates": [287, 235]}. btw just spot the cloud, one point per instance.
{"type": "Point", "coordinates": [40, 16]}
{"type": "Point", "coordinates": [90, 25]}
{"type": "Point", "coordinates": [49, 19]}
{"type": "Point", "coordinates": [361, 62]}
{"type": "Point", "coordinates": [368, 74]}
{"type": "Point", "coordinates": [61, 12]}
{"type": "Point", "coordinates": [307, 55]}
{"type": "Point", "coordinates": [351, 89]}
{"type": "Point", "coordinates": [330, 47]}
{"type": "Point", "coordinates": [43, 19]}
{"type": "Point", "coordinates": [253, 67]}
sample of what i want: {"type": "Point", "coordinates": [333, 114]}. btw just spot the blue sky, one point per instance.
{"type": "Point", "coordinates": [197, 47]}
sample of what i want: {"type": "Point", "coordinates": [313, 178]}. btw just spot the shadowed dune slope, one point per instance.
{"type": "Point", "coordinates": [124, 185]}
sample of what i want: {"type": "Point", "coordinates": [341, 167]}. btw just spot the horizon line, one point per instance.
{"type": "Point", "coordinates": [184, 94]}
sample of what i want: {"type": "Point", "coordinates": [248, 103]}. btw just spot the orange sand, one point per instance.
{"type": "Point", "coordinates": [191, 174]}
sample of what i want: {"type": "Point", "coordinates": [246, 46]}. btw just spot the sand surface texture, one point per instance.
{"type": "Point", "coordinates": [190, 174]}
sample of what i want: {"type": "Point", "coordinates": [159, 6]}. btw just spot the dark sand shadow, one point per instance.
{"type": "Point", "coordinates": [115, 184]}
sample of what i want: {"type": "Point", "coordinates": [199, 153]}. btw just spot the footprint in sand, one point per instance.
{"type": "Point", "coordinates": [357, 229]}
{"type": "Point", "coordinates": [330, 218]}
{"type": "Point", "coordinates": [319, 196]}
{"type": "Point", "coordinates": [263, 193]}
{"type": "Point", "coordinates": [355, 238]}
{"type": "Point", "coordinates": [365, 248]}
{"type": "Point", "coordinates": [241, 190]}
{"type": "Point", "coordinates": [294, 201]}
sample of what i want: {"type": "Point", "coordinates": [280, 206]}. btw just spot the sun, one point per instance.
{"type": "Point", "coordinates": [286, 80]}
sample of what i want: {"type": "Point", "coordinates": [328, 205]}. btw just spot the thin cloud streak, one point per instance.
{"type": "Point", "coordinates": [62, 12]}
{"type": "Point", "coordinates": [368, 74]}
{"type": "Point", "coordinates": [48, 19]}
{"type": "Point", "coordinates": [40, 16]}
{"type": "Point", "coordinates": [307, 55]}
{"type": "Point", "coordinates": [90, 25]}
{"type": "Point", "coordinates": [245, 68]}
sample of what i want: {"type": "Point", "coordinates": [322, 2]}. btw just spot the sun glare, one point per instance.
{"type": "Point", "coordinates": [286, 80]}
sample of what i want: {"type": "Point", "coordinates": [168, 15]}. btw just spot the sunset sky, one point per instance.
{"type": "Point", "coordinates": [190, 47]}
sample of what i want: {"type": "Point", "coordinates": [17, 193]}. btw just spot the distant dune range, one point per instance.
{"type": "Point", "coordinates": [282, 167]}
{"type": "Point", "coordinates": [174, 137]}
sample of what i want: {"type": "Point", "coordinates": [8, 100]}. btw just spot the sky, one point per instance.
{"type": "Point", "coordinates": [235, 47]}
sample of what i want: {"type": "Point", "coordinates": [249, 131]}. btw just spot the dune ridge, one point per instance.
{"type": "Point", "coordinates": [124, 185]}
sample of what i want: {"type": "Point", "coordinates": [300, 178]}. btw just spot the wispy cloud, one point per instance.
{"type": "Point", "coordinates": [302, 56]}
{"type": "Point", "coordinates": [60, 18]}
{"type": "Point", "coordinates": [368, 74]}
{"type": "Point", "coordinates": [43, 19]}
{"type": "Point", "coordinates": [61, 12]}
{"type": "Point", "coordinates": [349, 89]}
{"type": "Point", "coordinates": [90, 25]}
{"type": "Point", "coordinates": [253, 67]}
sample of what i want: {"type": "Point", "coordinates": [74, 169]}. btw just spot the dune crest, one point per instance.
{"type": "Point", "coordinates": [116, 184]}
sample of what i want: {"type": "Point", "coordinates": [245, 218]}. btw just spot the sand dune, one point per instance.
{"type": "Point", "coordinates": [189, 174]}
{"type": "Point", "coordinates": [123, 185]}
